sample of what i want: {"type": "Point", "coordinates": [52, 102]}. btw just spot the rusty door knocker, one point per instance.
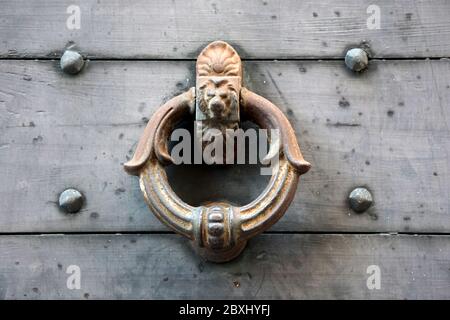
{"type": "Point", "coordinates": [219, 230]}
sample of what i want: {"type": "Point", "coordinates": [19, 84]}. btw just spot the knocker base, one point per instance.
{"type": "Point", "coordinates": [219, 256]}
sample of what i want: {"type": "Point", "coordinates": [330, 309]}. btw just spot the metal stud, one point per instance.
{"type": "Point", "coordinates": [71, 200]}
{"type": "Point", "coordinates": [71, 62]}
{"type": "Point", "coordinates": [356, 59]}
{"type": "Point", "coordinates": [360, 199]}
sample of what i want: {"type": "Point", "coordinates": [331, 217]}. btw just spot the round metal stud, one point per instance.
{"type": "Point", "coordinates": [356, 59]}
{"type": "Point", "coordinates": [360, 199]}
{"type": "Point", "coordinates": [71, 62]}
{"type": "Point", "coordinates": [71, 200]}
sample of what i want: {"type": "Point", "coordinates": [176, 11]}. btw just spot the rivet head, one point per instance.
{"type": "Point", "coordinates": [356, 59]}
{"type": "Point", "coordinates": [71, 200]}
{"type": "Point", "coordinates": [71, 62]}
{"type": "Point", "coordinates": [360, 199]}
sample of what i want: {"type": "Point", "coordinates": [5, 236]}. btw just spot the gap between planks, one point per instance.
{"type": "Point", "coordinates": [317, 59]}
{"type": "Point", "coordinates": [331, 233]}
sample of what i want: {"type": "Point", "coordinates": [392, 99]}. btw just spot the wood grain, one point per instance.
{"type": "Point", "coordinates": [129, 29]}
{"type": "Point", "coordinates": [271, 267]}
{"type": "Point", "coordinates": [387, 129]}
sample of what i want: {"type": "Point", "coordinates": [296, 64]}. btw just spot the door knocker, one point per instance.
{"type": "Point", "coordinates": [219, 230]}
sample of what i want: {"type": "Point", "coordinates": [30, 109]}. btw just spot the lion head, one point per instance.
{"type": "Point", "coordinates": [218, 100]}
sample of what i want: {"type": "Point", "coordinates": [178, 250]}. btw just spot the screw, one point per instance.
{"type": "Point", "coordinates": [71, 200]}
{"type": "Point", "coordinates": [360, 199]}
{"type": "Point", "coordinates": [356, 59]}
{"type": "Point", "coordinates": [71, 62]}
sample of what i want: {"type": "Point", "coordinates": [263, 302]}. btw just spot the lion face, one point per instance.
{"type": "Point", "coordinates": [218, 99]}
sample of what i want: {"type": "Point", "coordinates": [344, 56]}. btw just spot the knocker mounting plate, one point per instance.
{"type": "Point", "coordinates": [219, 230]}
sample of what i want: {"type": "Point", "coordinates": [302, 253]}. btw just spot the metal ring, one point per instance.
{"type": "Point", "coordinates": [218, 230]}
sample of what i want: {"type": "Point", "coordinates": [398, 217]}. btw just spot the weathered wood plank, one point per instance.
{"type": "Point", "coordinates": [387, 129]}
{"type": "Point", "coordinates": [271, 267]}
{"type": "Point", "coordinates": [259, 28]}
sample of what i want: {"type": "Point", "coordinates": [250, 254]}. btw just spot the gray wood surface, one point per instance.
{"type": "Point", "coordinates": [271, 267]}
{"type": "Point", "coordinates": [387, 129]}
{"type": "Point", "coordinates": [258, 28]}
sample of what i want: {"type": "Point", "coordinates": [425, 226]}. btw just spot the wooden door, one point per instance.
{"type": "Point", "coordinates": [387, 129]}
